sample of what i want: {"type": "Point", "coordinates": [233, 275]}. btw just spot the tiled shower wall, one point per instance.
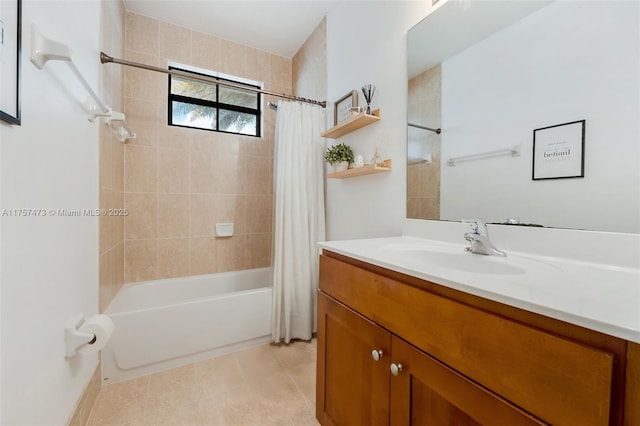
{"type": "Point", "coordinates": [179, 182]}
{"type": "Point", "coordinates": [310, 65]}
{"type": "Point", "coordinates": [423, 180]}
{"type": "Point", "coordinates": [111, 158]}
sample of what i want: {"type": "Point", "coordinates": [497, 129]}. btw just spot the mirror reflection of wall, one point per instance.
{"type": "Point", "coordinates": [544, 68]}
{"type": "Point", "coordinates": [423, 146]}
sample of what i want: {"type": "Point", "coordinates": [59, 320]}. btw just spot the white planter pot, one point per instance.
{"type": "Point", "coordinates": [340, 167]}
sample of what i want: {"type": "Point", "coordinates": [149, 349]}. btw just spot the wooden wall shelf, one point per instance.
{"type": "Point", "coordinates": [368, 169]}
{"type": "Point", "coordinates": [354, 123]}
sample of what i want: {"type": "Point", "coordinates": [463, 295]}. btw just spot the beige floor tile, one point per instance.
{"type": "Point", "coordinates": [277, 397]}
{"type": "Point", "coordinates": [234, 407]}
{"type": "Point", "coordinates": [294, 354]}
{"type": "Point", "coordinates": [258, 362]}
{"type": "Point", "coordinates": [304, 377]}
{"type": "Point", "coordinates": [172, 397]}
{"type": "Point", "coordinates": [268, 385]}
{"type": "Point", "coordinates": [309, 421]}
{"type": "Point", "coordinates": [121, 403]}
{"type": "Point", "coordinates": [219, 375]}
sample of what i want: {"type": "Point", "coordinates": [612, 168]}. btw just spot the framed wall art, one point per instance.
{"type": "Point", "coordinates": [558, 151]}
{"type": "Point", "coordinates": [342, 107]}
{"type": "Point", "coordinates": [10, 51]}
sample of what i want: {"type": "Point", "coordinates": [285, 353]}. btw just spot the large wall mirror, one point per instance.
{"type": "Point", "coordinates": [491, 74]}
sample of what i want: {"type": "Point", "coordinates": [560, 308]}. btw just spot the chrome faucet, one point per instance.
{"type": "Point", "coordinates": [479, 239]}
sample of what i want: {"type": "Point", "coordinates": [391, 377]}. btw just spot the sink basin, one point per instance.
{"type": "Point", "coordinates": [456, 259]}
{"type": "Point", "coordinates": [468, 262]}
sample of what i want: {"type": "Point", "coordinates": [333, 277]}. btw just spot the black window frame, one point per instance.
{"type": "Point", "coordinates": [215, 104]}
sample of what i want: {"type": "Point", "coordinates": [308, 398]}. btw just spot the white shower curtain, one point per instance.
{"type": "Point", "coordinates": [299, 219]}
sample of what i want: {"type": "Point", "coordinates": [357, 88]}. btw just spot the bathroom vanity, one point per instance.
{"type": "Point", "coordinates": [404, 341]}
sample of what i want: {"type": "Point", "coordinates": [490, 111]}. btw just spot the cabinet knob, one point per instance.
{"type": "Point", "coordinates": [376, 354]}
{"type": "Point", "coordinates": [396, 369]}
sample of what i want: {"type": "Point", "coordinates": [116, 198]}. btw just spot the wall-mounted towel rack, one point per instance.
{"type": "Point", "coordinates": [514, 152]}
{"type": "Point", "coordinates": [44, 50]}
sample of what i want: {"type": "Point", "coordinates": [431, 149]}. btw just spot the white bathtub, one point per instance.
{"type": "Point", "coordinates": [168, 323]}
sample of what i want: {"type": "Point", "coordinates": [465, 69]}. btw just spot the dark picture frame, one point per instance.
{"type": "Point", "coordinates": [558, 151]}
{"type": "Point", "coordinates": [342, 107]}
{"type": "Point", "coordinates": [10, 56]}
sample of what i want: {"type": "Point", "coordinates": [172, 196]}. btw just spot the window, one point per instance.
{"type": "Point", "coordinates": [211, 106]}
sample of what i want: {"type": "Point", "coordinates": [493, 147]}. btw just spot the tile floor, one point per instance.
{"type": "Point", "coordinates": [267, 385]}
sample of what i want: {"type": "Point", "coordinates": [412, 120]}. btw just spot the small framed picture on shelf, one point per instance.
{"type": "Point", "coordinates": [558, 151]}
{"type": "Point", "coordinates": [342, 107]}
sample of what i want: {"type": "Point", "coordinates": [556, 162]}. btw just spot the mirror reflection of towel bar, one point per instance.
{"type": "Point", "coordinates": [417, 126]}
{"type": "Point", "coordinates": [514, 152]}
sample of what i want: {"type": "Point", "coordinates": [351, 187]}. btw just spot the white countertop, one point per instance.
{"type": "Point", "coordinates": [600, 297]}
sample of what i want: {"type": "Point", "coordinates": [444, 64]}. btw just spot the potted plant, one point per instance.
{"type": "Point", "coordinates": [339, 156]}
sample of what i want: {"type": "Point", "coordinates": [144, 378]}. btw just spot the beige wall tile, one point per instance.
{"type": "Point", "coordinates": [234, 58]}
{"type": "Point", "coordinates": [105, 232]}
{"type": "Point", "coordinates": [202, 140]}
{"type": "Point", "coordinates": [141, 260]}
{"type": "Point", "coordinates": [141, 34]}
{"type": "Point", "coordinates": [230, 170]}
{"type": "Point", "coordinates": [204, 255]}
{"type": "Point", "coordinates": [231, 253]}
{"type": "Point", "coordinates": [413, 174]}
{"type": "Point", "coordinates": [309, 65]}
{"type": "Point", "coordinates": [259, 215]}
{"type": "Point", "coordinates": [258, 250]}
{"type": "Point", "coordinates": [205, 51]}
{"type": "Point", "coordinates": [171, 136]}
{"type": "Point", "coordinates": [174, 215]}
{"type": "Point", "coordinates": [231, 208]}
{"type": "Point", "coordinates": [173, 171]}
{"type": "Point", "coordinates": [141, 169]}
{"type": "Point", "coordinates": [423, 180]}
{"type": "Point", "coordinates": [226, 144]}
{"type": "Point", "coordinates": [104, 158]}
{"type": "Point", "coordinates": [142, 220]}
{"type": "Point", "coordinates": [117, 165]}
{"type": "Point", "coordinates": [105, 280]}
{"type": "Point", "coordinates": [258, 65]}
{"type": "Point", "coordinates": [280, 70]}
{"type": "Point", "coordinates": [198, 177]}
{"type": "Point", "coordinates": [173, 258]}
{"type": "Point", "coordinates": [259, 176]}
{"type": "Point", "coordinates": [203, 215]}
{"type": "Point", "coordinates": [118, 255]}
{"type": "Point", "coordinates": [174, 43]}
{"type": "Point", "coordinates": [142, 117]}
{"type": "Point", "coordinates": [259, 147]}
{"type": "Point", "coordinates": [142, 84]}
{"type": "Point", "coordinates": [204, 175]}
{"type": "Point", "coordinates": [111, 168]}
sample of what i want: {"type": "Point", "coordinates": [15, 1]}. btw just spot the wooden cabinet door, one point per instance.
{"type": "Point", "coordinates": [425, 392]}
{"type": "Point", "coordinates": [352, 388]}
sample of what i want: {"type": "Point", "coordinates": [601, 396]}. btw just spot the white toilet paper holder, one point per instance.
{"type": "Point", "coordinates": [75, 339]}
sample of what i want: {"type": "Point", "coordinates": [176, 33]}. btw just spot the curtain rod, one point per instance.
{"type": "Point", "coordinates": [104, 58]}
{"type": "Point", "coordinates": [438, 131]}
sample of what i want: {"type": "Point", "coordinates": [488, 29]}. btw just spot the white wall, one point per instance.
{"type": "Point", "coordinates": [49, 268]}
{"type": "Point", "coordinates": [582, 63]}
{"type": "Point", "coordinates": [366, 43]}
